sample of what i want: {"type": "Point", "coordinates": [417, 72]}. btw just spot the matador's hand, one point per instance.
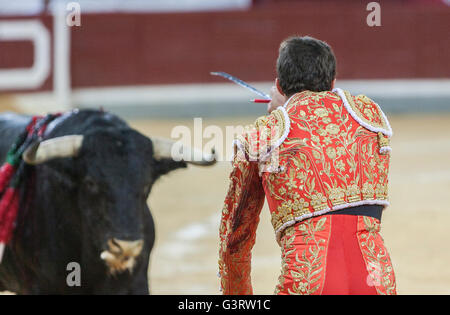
{"type": "Point", "coordinates": [278, 99]}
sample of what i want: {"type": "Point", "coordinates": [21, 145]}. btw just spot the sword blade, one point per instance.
{"type": "Point", "coordinates": [241, 83]}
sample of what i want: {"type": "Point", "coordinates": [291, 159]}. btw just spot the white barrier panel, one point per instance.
{"type": "Point", "coordinates": [33, 77]}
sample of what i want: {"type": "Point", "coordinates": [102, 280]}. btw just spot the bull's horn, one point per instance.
{"type": "Point", "coordinates": [59, 147]}
{"type": "Point", "coordinates": [165, 148]}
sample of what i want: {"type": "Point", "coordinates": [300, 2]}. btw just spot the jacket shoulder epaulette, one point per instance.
{"type": "Point", "coordinates": [366, 112]}
{"type": "Point", "coordinates": [264, 135]}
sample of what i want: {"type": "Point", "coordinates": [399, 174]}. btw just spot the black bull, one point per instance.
{"type": "Point", "coordinates": [89, 209]}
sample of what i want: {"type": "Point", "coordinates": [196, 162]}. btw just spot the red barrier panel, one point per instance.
{"type": "Point", "coordinates": [139, 49]}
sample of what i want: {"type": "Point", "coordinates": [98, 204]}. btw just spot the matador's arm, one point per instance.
{"type": "Point", "coordinates": [240, 218]}
{"type": "Point", "coordinates": [245, 199]}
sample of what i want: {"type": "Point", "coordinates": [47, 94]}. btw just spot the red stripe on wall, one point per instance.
{"type": "Point", "coordinates": [142, 49]}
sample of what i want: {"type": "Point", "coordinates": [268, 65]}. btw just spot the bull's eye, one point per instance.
{"type": "Point", "coordinates": [90, 185]}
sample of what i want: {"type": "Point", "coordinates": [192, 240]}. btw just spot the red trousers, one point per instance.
{"type": "Point", "coordinates": [335, 254]}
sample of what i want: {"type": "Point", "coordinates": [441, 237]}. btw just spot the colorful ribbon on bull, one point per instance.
{"type": "Point", "coordinates": [12, 175]}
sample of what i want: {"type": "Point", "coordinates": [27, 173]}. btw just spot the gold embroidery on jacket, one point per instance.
{"type": "Point", "coordinates": [366, 110]}
{"type": "Point", "coordinates": [328, 160]}
{"type": "Point", "coordinates": [260, 137]}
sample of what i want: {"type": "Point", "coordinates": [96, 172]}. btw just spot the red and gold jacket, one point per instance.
{"type": "Point", "coordinates": [320, 152]}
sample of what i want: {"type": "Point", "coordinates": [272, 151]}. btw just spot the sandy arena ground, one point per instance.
{"type": "Point", "coordinates": [186, 206]}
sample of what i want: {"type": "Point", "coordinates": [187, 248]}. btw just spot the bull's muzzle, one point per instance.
{"type": "Point", "coordinates": [121, 255]}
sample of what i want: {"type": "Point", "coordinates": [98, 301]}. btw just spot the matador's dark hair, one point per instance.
{"type": "Point", "coordinates": [305, 63]}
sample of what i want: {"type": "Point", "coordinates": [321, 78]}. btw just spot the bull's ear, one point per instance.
{"type": "Point", "coordinates": [169, 149]}
{"type": "Point", "coordinates": [164, 166]}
